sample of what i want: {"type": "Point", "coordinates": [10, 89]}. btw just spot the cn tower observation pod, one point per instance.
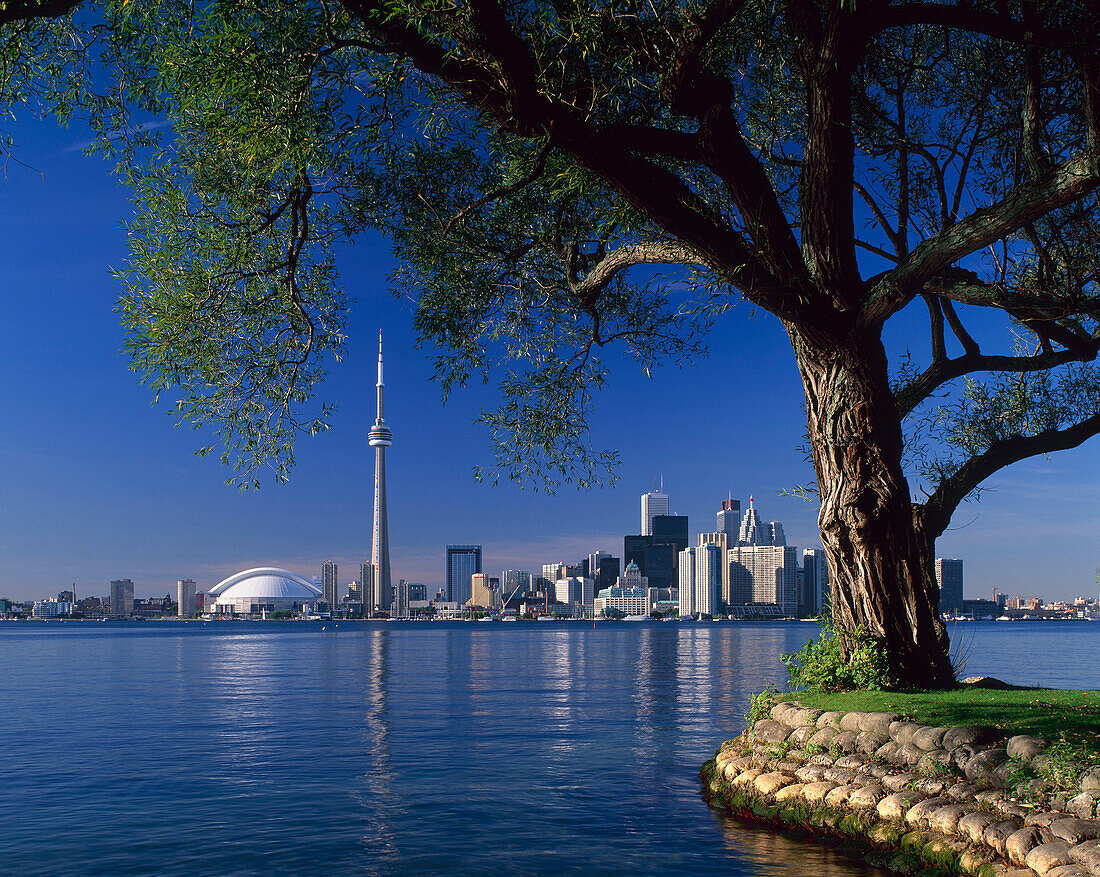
{"type": "Point", "coordinates": [265, 588]}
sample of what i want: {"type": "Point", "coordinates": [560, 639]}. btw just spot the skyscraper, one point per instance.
{"type": "Point", "coordinates": [380, 437]}
{"type": "Point", "coordinates": [185, 598]}
{"type": "Point", "coordinates": [653, 503]}
{"type": "Point", "coordinates": [463, 561]}
{"type": "Point", "coordinates": [329, 586]}
{"type": "Point", "coordinates": [815, 570]}
{"type": "Point", "coordinates": [949, 576]}
{"type": "Point", "coordinates": [122, 598]}
{"type": "Point", "coordinates": [729, 518]}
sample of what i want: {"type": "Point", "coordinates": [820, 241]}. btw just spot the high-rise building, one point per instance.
{"type": "Point", "coordinates": [775, 534]}
{"type": "Point", "coordinates": [591, 564]}
{"type": "Point", "coordinates": [670, 530]}
{"type": "Point", "coordinates": [329, 585]}
{"type": "Point", "coordinates": [481, 591]}
{"type": "Point", "coordinates": [722, 540]}
{"type": "Point", "coordinates": [355, 591]}
{"type": "Point", "coordinates": [949, 576]}
{"type": "Point", "coordinates": [634, 550]}
{"type": "Point", "coordinates": [700, 579]}
{"type": "Point", "coordinates": [729, 518]}
{"type": "Point", "coordinates": [185, 598]}
{"type": "Point", "coordinates": [515, 582]}
{"type": "Point", "coordinates": [122, 598]}
{"type": "Point", "coordinates": [816, 592]}
{"type": "Point", "coordinates": [653, 503]}
{"type": "Point", "coordinates": [765, 574]}
{"type": "Point", "coordinates": [576, 592]}
{"type": "Point", "coordinates": [401, 604]}
{"type": "Point", "coordinates": [380, 438]}
{"type": "Point", "coordinates": [606, 573]}
{"type": "Point", "coordinates": [755, 531]}
{"type": "Point", "coordinates": [463, 561]}
{"type": "Point", "coordinates": [659, 565]}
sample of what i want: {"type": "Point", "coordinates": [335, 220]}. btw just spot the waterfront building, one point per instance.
{"type": "Point", "coordinates": [380, 594]}
{"type": "Point", "coordinates": [355, 592]}
{"type": "Point", "coordinates": [764, 574]}
{"type": "Point", "coordinates": [51, 608]}
{"type": "Point", "coordinates": [729, 518]}
{"type": "Point", "coordinates": [816, 593]}
{"type": "Point", "coordinates": [264, 589]}
{"type": "Point", "coordinates": [329, 586]}
{"type": "Point", "coordinates": [463, 561]}
{"type": "Point", "coordinates": [122, 598]}
{"type": "Point", "coordinates": [721, 539]}
{"type": "Point", "coordinates": [671, 530]}
{"type": "Point", "coordinates": [402, 599]}
{"type": "Point", "coordinates": [660, 565]}
{"type": "Point", "coordinates": [482, 593]}
{"type": "Point", "coordinates": [700, 578]}
{"type": "Point", "coordinates": [653, 503]}
{"type": "Point", "coordinates": [185, 598]}
{"type": "Point", "coordinates": [632, 578]}
{"type": "Point", "coordinates": [606, 572]}
{"type": "Point", "coordinates": [575, 591]}
{"type": "Point", "coordinates": [949, 576]}
{"type": "Point", "coordinates": [515, 582]}
{"type": "Point", "coordinates": [621, 601]}
{"type": "Point", "coordinates": [634, 547]}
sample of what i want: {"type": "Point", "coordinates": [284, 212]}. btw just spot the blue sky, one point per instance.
{"type": "Point", "coordinates": [96, 483]}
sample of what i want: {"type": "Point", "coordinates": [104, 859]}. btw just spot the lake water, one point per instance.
{"type": "Point", "coordinates": [441, 748]}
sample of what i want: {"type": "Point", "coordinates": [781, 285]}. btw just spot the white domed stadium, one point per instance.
{"type": "Point", "coordinates": [264, 589]}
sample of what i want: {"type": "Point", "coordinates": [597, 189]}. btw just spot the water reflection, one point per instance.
{"type": "Point", "coordinates": [770, 852]}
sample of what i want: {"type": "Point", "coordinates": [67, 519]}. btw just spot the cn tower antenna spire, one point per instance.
{"type": "Point", "coordinates": [378, 599]}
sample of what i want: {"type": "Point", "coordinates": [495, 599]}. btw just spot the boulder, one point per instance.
{"type": "Point", "coordinates": [869, 742]}
{"type": "Point", "coordinates": [807, 716]}
{"type": "Point", "coordinates": [931, 787]}
{"type": "Point", "coordinates": [1025, 747]}
{"type": "Point", "coordinates": [801, 735]}
{"type": "Point", "coordinates": [784, 712]}
{"type": "Point", "coordinates": [895, 806]}
{"type": "Point", "coordinates": [984, 682]}
{"type": "Point", "coordinates": [918, 815]}
{"type": "Point", "coordinates": [789, 793]}
{"type": "Point", "coordinates": [946, 819]}
{"type": "Point", "coordinates": [867, 797]}
{"type": "Point", "coordinates": [829, 720]}
{"type": "Point", "coordinates": [937, 761]}
{"type": "Point", "coordinates": [975, 735]}
{"type": "Point", "coordinates": [877, 723]}
{"type": "Point", "coordinates": [1067, 871]}
{"type": "Point", "coordinates": [1083, 806]}
{"type": "Point", "coordinates": [810, 773]}
{"type": "Point", "coordinates": [772, 782]}
{"type": "Point", "coordinates": [973, 825]}
{"type": "Point", "coordinates": [770, 731]}
{"type": "Point", "coordinates": [1089, 781]}
{"type": "Point", "coordinates": [902, 732]}
{"type": "Point", "coordinates": [850, 722]}
{"type": "Point", "coordinates": [846, 741]}
{"type": "Point", "coordinates": [815, 793]}
{"type": "Point", "coordinates": [962, 791]}
{"type": "Point", "coordinates": [851, 762]}
{"type": "Point", "coordinates": [888, 751]}
{"type": "Point", "coordinates": [1075, 831]}
{"type": "Point", "coordinates": [997, 834]}
{"type": "Point", "coordinates": [1003, 776]}
{"type": "Point", "coordinates": [878, 771]}
{"type": "Point", "coordinates": [1047, 856]}
{"type": "Point", "coordinates": [839, 775]}
{"type": "Point", "coordinates": [1010, 810]}
{"type": "Point", "coordinates": [899, 782]}
{"type": "Point", "coordinates": [1021, 842]}
{"type": "Point", "coordinates": [929, 738]}
{"type": "Point", "coordinates": [962, 753]}
{"type": "Point", "coordinates": [1087, 855]}
{"type": "Point", "coordinates": [839, 796]}
{"type": "Point", "coordinates": [983, 763]}
{"type": "Point", "coordinates": [823, 737]}
{"type": "Point", "coordinates": [910, 754]}
{"type": "Point", "coordinates": [1044, 818]}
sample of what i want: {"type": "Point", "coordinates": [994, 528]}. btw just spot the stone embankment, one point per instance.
{"type": "Point", "coordinates": [913, 798]}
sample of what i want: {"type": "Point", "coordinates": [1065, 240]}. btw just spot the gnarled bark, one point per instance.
{"type": "Point", "coordinates": [880, 558]}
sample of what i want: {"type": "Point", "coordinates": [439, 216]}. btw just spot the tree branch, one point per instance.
{"type": "Point", "coordinates": [937, 510]}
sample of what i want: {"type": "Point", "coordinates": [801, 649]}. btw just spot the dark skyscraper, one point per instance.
{"type": "Point", "coordinates": [671, 530]}
{"type": "Point", "coordinates": [634, 551]}
{"type": "Point", "coordinates": [660, 565]}
{"type": "Point", "coordinates": [463, 561]}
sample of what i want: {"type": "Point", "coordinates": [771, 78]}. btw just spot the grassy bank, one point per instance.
{"type": "Point", "coordinates": [1055, 714]}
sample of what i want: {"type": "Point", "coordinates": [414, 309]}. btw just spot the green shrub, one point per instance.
{"type": "Point", "coordinates": [819, 664]}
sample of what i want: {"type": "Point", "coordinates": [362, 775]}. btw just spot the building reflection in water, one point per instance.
{"type": "Point", "coordinates": [381, 805]}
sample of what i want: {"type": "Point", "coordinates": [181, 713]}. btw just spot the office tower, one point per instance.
{"type": "Point", "coordinates": [766, 574]}
{"type": "Point", "coordinates": [815, 570]}
{"type": "Point", "coordinates": [380, 438]}
{"type": "Point", "coordinates": [122, 598]}
{"type": "Point", "coordinates": [686, 582]}
{"type": "Point", "coordinates": [752, 530]}
{"type": "Point", "coordinates": [670, 530]}
{"type": "Point", "coordinates": [355, 590]}
{"type": "Point", "coordinates": [401, 604]}
{"type": "Point", "coordinates": [634, 550]}
{"type": "Point", "coordinates": [949, 576]}
{"type": "Point", "coordinates": [653, 503]}
{"type": "Point", "coordinates": [700, 579]}
{"type": "Point", "coordinates": [462, 562]}
{"type": "Point", "coordinates": [775, 534]}
{"type": "Point", "coordinates": [729, 518]}
{"type": "Point", "coordinates": [329, 587]}
{"type": "Point", "coordinates": [722, 540]}
{"type": "Point", "coordinates": [185, 598]}
{"type": "Point", "coordinates": [575, 591]}
{"type": "Point", "coordinates": [591, 563]}
{"type": "Point", "coordinates": [607, 573]}
{"type": "Point", "coordinates": [515, 583]}
{"type": "Point", "coordinates": [482, 592]}
{"type": "Point", "coordinates": [660, 565]}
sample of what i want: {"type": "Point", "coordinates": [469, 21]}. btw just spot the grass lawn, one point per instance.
{"type": "Point", "coordinates": [1072, 716]}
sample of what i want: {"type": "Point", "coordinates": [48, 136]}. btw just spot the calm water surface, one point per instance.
{"type": "Point", "coordinates": [282, 748]}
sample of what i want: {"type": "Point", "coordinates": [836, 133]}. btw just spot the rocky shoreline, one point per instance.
{"type": "Point", "coordinates": [912, 798]}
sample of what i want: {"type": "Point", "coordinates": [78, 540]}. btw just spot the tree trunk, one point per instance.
{"type": "Point", "coordinates": [880, 559]}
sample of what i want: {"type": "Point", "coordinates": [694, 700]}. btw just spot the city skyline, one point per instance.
{"type": "Point", "coordinates": [96, 485]}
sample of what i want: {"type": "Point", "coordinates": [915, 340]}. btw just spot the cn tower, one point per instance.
{"type": "Point", "coordinates": [380, 439]}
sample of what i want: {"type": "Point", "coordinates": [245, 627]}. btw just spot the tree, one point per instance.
{"type": "Point", "coordinates": [557, 177]}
